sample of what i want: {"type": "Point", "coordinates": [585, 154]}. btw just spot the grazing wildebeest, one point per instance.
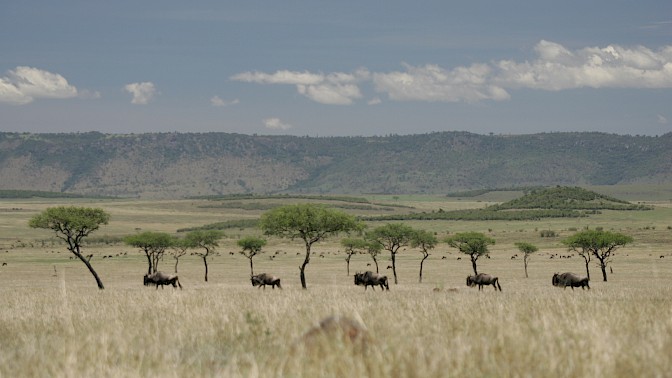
{"type": "Point", "coordinates": [483, 279]}
{"type": "Point", "coordinates": [369, 278]}
{"type": "Point", "coordinates": [264, 279]}
{"type": "Point", "coordinates": [161, 279]}
{"type": "Point", "coordinates": [570, 279]}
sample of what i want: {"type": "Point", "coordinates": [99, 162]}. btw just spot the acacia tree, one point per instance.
{"type": "Point", "coordinates": [598, 243]}
{"type": "Point", "coordinates": [179, 248]}
{"type": "Point", "coordinates": [311, 223]}
{"type": "Point", "coordinates": [392, 237]}
{"type": "Point", "coordinates": [153, 244]}
{"type": "Point", "coordinates": [474, 244]}
{"type": "Point", "coordinates": [251, 246]}
{"type": "Point", "coordinates": [72, 224]}
{"type": "Point", "coordinates": [206, 240]}
{"type": "Point", "coordinates": [373, 249]}
{"type": "Point", "coordinates": [353, 246]}
{"type": "Point", "coordinates": [527, 249]}
{"type": "Point", "coordinates": [425, 241]}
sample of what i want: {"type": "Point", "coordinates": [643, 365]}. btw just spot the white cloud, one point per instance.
{"type": "Point", "coordinates": [218, 102]}
{"type": "Point", "coordinates": [276, 124]}
{"type": "Point", "coordinates": [336, 88]}
{"type": "Point", "coordinates": [142, 92]}
{"type": "Point", "coordinates": [554, 68]}
{"type": "Point", "coordinates": [24, 84]}
{"type": "Point", "coordinates": [558, 68]}
{"type": "Point", "coordinates": [433, 83]}
{"type": "Point", "coordinates": [662, 119]}
{"type": "Point", "coordinates": [280, 77]}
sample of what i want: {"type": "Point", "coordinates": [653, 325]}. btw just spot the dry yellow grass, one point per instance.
{"type": "Point", "coordinates": [54, 322]}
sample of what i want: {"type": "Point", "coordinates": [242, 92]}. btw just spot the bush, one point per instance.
{"type": "Point", "coordinates": [548, 234]}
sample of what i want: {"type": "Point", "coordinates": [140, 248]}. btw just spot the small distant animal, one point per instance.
{"type": "Point", "coordinates": [264, 279]}
{"type": "Point", "coordinates": [482, 279]}
{"type": "Point", "coordinates": [570, 279]}
{"type": "Point", "coordinates": [161, 279]}
{"type": "Point", "coordinates": [4, 264]}
{"type": "Point", "coordinates": [369, 278]}
{"type": "Point", "coordinates": [389, 267]}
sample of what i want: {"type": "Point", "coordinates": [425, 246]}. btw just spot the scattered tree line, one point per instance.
{"type": "Point", "coordinates": [309, 223]}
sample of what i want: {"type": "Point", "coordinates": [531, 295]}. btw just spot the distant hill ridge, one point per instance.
{"type": "Point", "coordinates": [171, 165]}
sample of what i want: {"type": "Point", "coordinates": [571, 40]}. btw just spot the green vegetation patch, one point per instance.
{"type": "Point", "coordinates": [557, 202]}
{"type": "Point", "coordinates": [240, 223]}
{"type": "Point", "coordinates": [568, 198]}
{"type": "Point", "coordinates": [36, 194]}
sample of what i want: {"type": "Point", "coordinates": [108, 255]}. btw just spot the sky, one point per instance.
{"type": "Point", "coordinates": [339, 68]}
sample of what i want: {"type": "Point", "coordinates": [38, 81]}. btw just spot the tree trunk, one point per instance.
{"type": "Point", "coordinates": [251, 267]}
{"type": "Point", "coordinates": [422, 262]}
{"type": "Point", "coordinates": [603, 266]}
{"type": "Point", "coordinates": [587, 269]}
{"type": "Point", "coordinates": [205, 262]}
{"type": "Point", "coordinates": [376, 262]}
{"type": "Point", "coordinates": [88, 265]}
{"type": "Point", "coordinates": [473, 263]}
{"type": "Point", "coordinates": [303, 267]}
{"type": "Point", "coordinates": [149, 263]}
{"type": "Point", "coordinates": [525, 262]}
{"type": "Point", "coordinates": [394, 266]}
{"type": "Point", "coordinates": [177, 260]}
{"type": "Point", "coordinates": [347, 261]}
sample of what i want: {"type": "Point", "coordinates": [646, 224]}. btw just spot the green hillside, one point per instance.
{"type": "Point", "coordinates": [171, 165]}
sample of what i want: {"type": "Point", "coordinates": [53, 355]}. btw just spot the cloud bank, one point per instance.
{"type": "Point", "coordinates": [142, 92]}
{"type": "Point", "coordinates": [25, 84]}
{"type": "Point", "coordinates": [554, 68]}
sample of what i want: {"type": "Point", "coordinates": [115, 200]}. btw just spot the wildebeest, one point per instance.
{"type": "Point", "coordinates": [369, 278]}
{"type": "Point", "coordinates": [483, 279]}
{"type": "Point", "coordinates": [161, 279]}
{"type": "Point", "coordinates": [570, 279]}
{"type": "Point", "coordinates": [264, 279]}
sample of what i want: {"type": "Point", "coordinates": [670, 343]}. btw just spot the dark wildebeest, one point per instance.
{"type": "Point", "coordinates": [483, 279]}
{"type": "Point", "coordinates": [570, 279]}
{"type": "Point", "coordinates": [264, 279]}
{"type": "Point", "coordinates": [161, 279]}
{"type": "Point", "coordinates": [369, 278]}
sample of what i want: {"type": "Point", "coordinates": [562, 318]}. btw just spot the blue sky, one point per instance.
{"type": "Point", "coordinates": [336, 68]}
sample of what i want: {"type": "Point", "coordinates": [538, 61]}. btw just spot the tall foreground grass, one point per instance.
{"type": "Point", "coordinates": [229, 330]}
{"type": "Point", "coordinates": [55, 323]}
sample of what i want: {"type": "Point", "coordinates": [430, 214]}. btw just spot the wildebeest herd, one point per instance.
{"type": "Point", "coordinates": [372, 279]}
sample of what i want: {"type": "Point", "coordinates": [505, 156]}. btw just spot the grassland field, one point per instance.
{"type": "Point", "coordinates": [55, 322]}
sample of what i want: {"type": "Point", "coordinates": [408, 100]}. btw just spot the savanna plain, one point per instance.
{"type": "Point", "coordinates": [54, 321]}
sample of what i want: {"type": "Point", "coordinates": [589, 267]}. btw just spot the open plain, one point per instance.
{"type": "Point", "coordinates": [55, 322]}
